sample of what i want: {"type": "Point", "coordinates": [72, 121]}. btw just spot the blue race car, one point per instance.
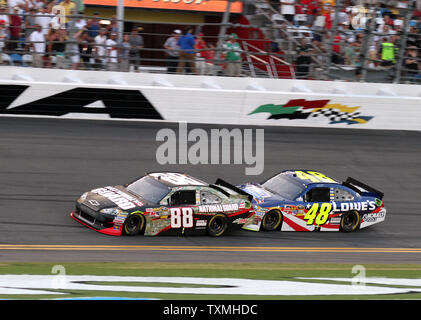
{"type": "Point", "coordinates": [305, 200]}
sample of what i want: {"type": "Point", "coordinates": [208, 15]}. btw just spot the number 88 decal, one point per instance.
{"type": "Point", "coordinates": [320, 217]}
{"type": "Point", "coordinates": [181, 217]}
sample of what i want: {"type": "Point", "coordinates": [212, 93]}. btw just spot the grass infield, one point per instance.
{"type": "Point", "coordinates": [262, 271]}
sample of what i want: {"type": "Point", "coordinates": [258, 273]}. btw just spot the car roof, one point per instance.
{"type": "Point", "coordinates": [308, 177]}
{"type": "Point", "coordinates": [173, 179]}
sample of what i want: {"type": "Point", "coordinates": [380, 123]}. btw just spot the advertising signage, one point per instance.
{"type": "Point", "coordinates": [189, 5]}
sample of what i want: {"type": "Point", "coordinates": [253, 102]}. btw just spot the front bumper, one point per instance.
{"type": "Point", "coordinates": [95, 221]}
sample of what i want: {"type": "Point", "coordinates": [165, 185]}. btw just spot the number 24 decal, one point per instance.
{"type": "Point", "coordinates": [181, 217]}
{"type": "Point", "coordinates": [316, 215]}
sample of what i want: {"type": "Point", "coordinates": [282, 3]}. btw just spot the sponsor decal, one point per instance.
{"type": "Point", "coordinates": [138, 203]}
{"type": "Point", "coordinates": [351, 205]}
{"type": "Point", "coordinates": [218, 207]}
{"type": "Point", "coordinates": [186, 5]}
{"type": "Point", "coordinates": [120, 218]}
{"type": "Point", "coordinates": [300, 109]}
{"type": "Point", "coordinates": [94, 203]}
{"type": "Point", "coordinates": [121, 199]}
{"type": "Point", "coordinates": [240, 221]}
{"type": "Point", "coordinates": [201, 223]}
{"type": "Point", "coordinates": [335, 220]}
{"type": "Point", "coordinates": [117, 103]}
{"type": "Point", "coordinates": [372, 217]}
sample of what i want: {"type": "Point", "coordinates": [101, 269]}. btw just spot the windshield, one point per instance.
{"type": "Point", "coordinates": [284, 186]}
{"type": "Point", "coordinates": [149, 189]}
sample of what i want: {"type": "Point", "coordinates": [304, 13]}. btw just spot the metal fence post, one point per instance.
{"type": "Point", "coordinates": [403, 44]}
{"type": "Point", "coordinates": [222, 33]}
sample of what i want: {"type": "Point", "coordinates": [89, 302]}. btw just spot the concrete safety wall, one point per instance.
{"type": "Point", "coordinates": [206, 99]}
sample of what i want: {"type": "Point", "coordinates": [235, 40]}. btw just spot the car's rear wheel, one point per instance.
{"type": "Point", "coordinates": [272, 220]}
{"type": "Point", "coordinates": [134, 224]}
{"type": "Point", "coordinates": [350, 221]}
{"type": "Point", "coordinates": [217, 225]}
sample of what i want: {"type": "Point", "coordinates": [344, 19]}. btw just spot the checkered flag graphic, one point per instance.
{"type": "Point", "coordinates": [334, 115]}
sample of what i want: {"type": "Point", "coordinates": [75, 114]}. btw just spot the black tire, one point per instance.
{"type": "Point", "coordinates": [350, 221]}
{"type": "Point", "coordinates": [272, 221]}
{"type": "Point", "coordinates": [217, 225]}
{"type": "Point", "coordinates": [134, 224]}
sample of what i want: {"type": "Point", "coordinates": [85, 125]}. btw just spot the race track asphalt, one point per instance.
{"type": "Point", "coordinates": [45, 164]}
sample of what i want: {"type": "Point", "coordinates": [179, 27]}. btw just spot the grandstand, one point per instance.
{"type": "Point", "coordinates": [344, 40]}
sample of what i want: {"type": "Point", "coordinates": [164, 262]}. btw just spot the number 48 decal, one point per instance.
{"type": "Point", "coordinates": [181, 217]}
{"type": "Point", "coordinates": [320, 217]}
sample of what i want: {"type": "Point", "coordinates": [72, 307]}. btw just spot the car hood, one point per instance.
{"type": "Point", "coordinates": [112, 197]}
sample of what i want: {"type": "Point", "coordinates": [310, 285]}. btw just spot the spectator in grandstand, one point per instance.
{"type": "Point", "coordinates": [337, 57]}
{"type": "Point", "coordinates": [288, 10]}
{"type": "Point", "coordinates": [85, 49]}
{"type": "Point", "coordinates": [204, 56]}
{"type": "Point", "coordinates": [15, 28]}
{"type": "Point", "coordinates": [311, 9]}
{"type": "Point", "coordinates": [347, 34]}
{"type": "Point", "coordinates": [124, 54]}
{"type": "Point", "coordinates": [303, 59]}
{"type": "Point", "coordinates": [73, 47]}
{"type": "Point", "coordinates": [93, 26]}
{"type": "Point", "coordinates": [37, 46]}
{"type": "Point", "coordinates": [387, 53]}
{"type": "Point", "coordinates": [187, 51]}
{"type": "Point", "coordinates": [411, 63]}
{"type": "Point", "coordinates": [112, 52]}
{"type": "Point", "coordinates": [69, 10]}
{"type": "Point", "coordinates": [387, 32]}
{"type": "Point", "coordinates": [43, 18]}
{"type": "Point", "coordinates": [29, 23]}
{"type": "Point", "coordinates": [351, 53]}
{"type": "Point", "coordinates": [57, 46]}
{"type": "Point", "coordinates": [233, 56]}
{"type": "Point", "coordinates": [100, 52]}
{"type": "Point", "coordinates": [79, 22]}
{"type": "Point", "coordinates": [201, 55]}
{"type": "Point", "coordinates": [136, 45]}
{"type": "Point", "coordinates": [4, 16]}
{"type": "Point", "coordinates": [172, 51]}
{"type": "Point", "coordinates": [327, 5]}
{"type": "Point", "coordinates": [3, 38]}
{"type": "Point", "coordinates": [112, 26]}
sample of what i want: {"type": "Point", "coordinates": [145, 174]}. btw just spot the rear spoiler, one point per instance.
{"type": "Point", "coordinates": [220, 182]}
{"type": "Point", "coordinates": [357, 186]}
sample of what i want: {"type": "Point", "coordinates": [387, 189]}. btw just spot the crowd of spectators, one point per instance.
{"type": "Point", "coordinates": [55, 33]}
{"type": "Point", "coordinates": [191, 54]}
{"type": "Point", "coordinates": [37, 28]}
{"type": "Point", "coordinates": [312, 23]}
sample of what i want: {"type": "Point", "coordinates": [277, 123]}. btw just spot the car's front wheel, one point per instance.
{"type": "Point", "coordinates": [134, 224]}
{"type": "Point", "coordinates": [272, 220]}
{"type": "Point", "coordinates": [217, 225]}
{"type": "Point", "coordinates": [350, 221]}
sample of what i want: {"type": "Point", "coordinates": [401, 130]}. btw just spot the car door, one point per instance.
{"type": "Point", "coordinates": [181, 210]}
{"type": "Point", "coordinates": [318, 206]}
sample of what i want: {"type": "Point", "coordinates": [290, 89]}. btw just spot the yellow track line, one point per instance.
{"type": "Point", "coordinates": [206, 248]}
